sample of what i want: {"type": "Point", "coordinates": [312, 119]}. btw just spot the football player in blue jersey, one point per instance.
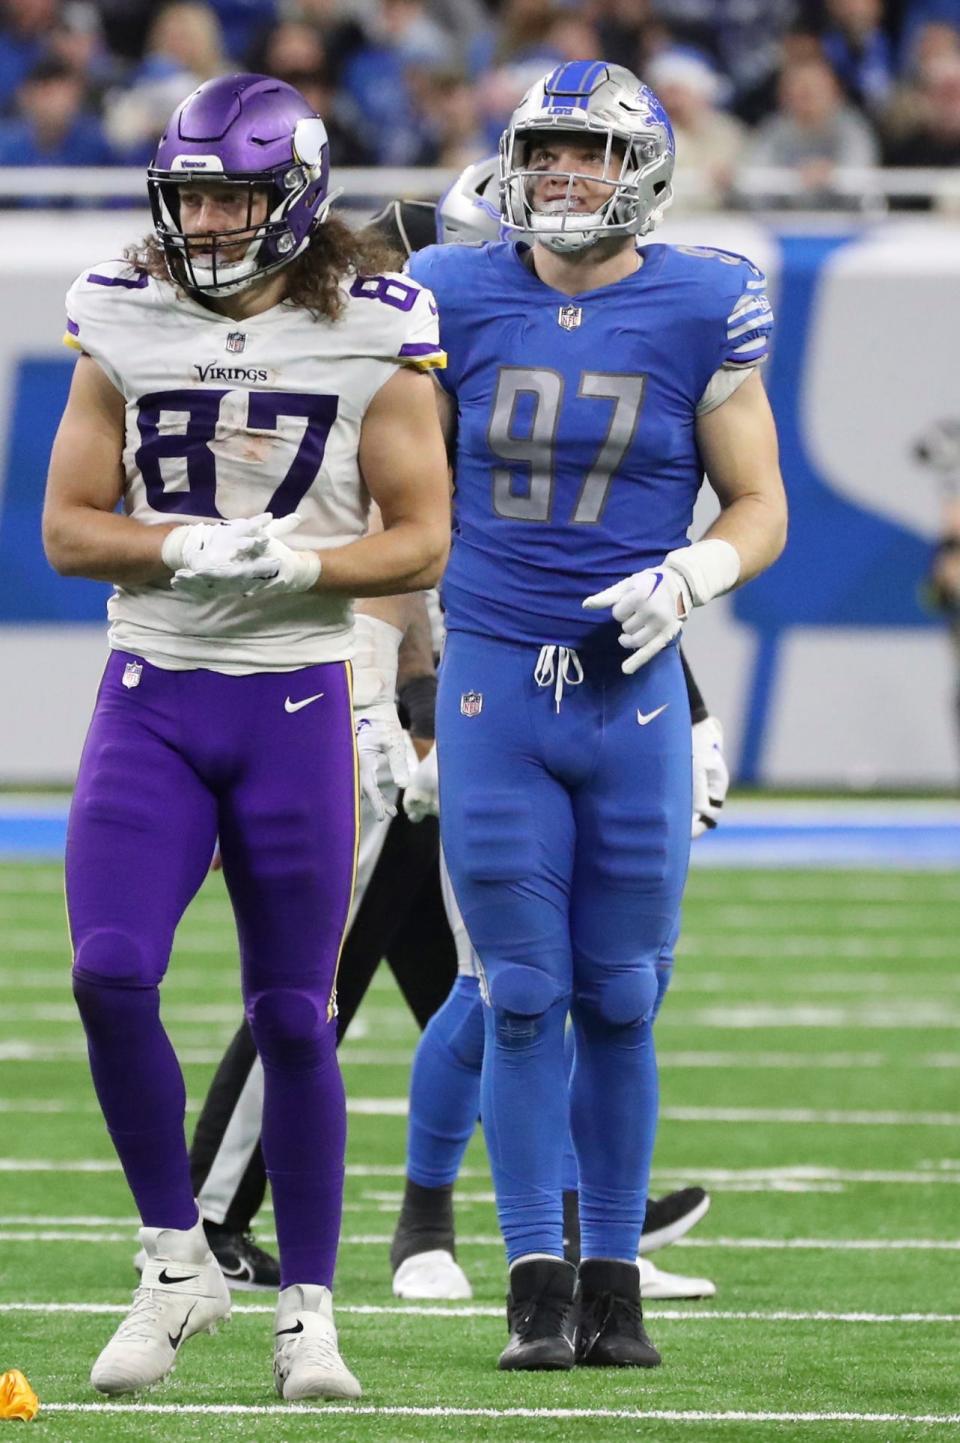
{"type": "Point", "coordinates": [593, 383]}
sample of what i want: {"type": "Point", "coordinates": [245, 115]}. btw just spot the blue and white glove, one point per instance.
{"type": "Point", "coordinates": [711, 779]}
{"type": "Point", "coordinates": [203, 556]}
{"type": "Point", "coordinates": [651, 606]}
{"type": "Point", "coordinates": [422, 796]}
{"type": "Point", "coordinates": [380, 736]}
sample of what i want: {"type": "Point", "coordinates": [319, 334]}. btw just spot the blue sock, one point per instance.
{"type": "Point", "coordinates": [615, 1079]}
{"type": "Point", "coordinates": [445, 1087]}
{"type": "Point", "coordinates": [524, 1101]}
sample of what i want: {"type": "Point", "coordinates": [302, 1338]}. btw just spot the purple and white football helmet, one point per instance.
{"type": "Point", "coordinates": [250, 131]}
{"type": "Point", "coordinates": [589, 98]}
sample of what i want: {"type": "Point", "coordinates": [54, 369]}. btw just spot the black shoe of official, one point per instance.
{"type": "Point", "coordinates": [425, 1223]}
{"type": "Point", "coordinates": [245, 1267]}
{"type": "Point", "coordinates": [610, 1332]}
{"type": "Point", "coordinates": [541, 1316]}
{"type": "Point", "coordinates": [670, 1217]}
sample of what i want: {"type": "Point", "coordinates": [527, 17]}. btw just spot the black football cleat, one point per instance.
{"type": "Point", "coordinates": [246, 1267]}
{"type": "Point", "coordinates": [541, 1316]}
{"type": "Point", "coordinates": [670, 1217]}
{"type": "Point", "coordinates": [610, 1332]}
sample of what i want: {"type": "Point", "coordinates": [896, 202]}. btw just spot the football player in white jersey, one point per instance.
{"type": "Point", "coordinates": [244, 373]}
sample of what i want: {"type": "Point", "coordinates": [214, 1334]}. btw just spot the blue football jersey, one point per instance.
{"type": "Point", "coordinates": [576, 459]}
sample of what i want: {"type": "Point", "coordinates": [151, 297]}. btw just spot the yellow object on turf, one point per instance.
{"type": "Point", "coordinates": [17, 1398]}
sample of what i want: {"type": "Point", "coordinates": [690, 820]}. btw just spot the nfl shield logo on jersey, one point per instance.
{"type": "Point", "coordinates": [569, 317]}
{"type": "Point", "coordinates": [471, 703]}
{"type": "Point", "coordinates": [236, 340]}
{"type": "Point", "coordinates": [132, 673]}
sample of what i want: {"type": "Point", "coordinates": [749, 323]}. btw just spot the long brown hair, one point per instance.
{"type": "Point", "coordinates": [313, 279]}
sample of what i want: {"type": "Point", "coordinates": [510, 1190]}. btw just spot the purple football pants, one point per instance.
{"type": "Point", "coordinates": [171, 764]}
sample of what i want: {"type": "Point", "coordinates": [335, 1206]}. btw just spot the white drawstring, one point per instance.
{"type": "Point", "coordinates": [559, 665]}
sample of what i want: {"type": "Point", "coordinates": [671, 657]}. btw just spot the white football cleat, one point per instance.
{"type": "Point", "coordinates": [306, 1358]}
{"type": "Point", "coordinates": [433, 1275]}
{"type": "Point", "coordinates": [656, 1283]}
{"type": "Point", "coordinates": [182, 1292]}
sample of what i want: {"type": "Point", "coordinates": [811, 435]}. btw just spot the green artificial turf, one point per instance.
{"type": "Point", "coordinates": [810, 1063]}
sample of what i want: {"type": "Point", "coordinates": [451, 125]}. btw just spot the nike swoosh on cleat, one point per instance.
{"type": "Point", "coordinates": [176, 1341]}
{"type": "Point", "coordinates": [643, 720]}
{"type": "Point", "coordinates": [243, 1271]}
{"type": "Point", "coordinates": [297, 1329]}
{"type": "Point", "coordinates": [166, 1278]}
{"type": "Point", "coordinates": [292, 706]}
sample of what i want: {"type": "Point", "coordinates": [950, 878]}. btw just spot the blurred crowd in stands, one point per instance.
{"type": "Point", "coordinates": [812, 86]}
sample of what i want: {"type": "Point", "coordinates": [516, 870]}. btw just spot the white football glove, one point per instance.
{"type": "Point", "coordinates": [422, 796]}
{"type": "Point", "coordinates": [651, 607]}
{"type": "Point", "coordinates": [280, 568]}
{"type": "Point", "coordinates": [711, 779]}
{"type": "Point", "coordinates": [380, 735]}
{"type": "Point", "coordinates": [204, 556]}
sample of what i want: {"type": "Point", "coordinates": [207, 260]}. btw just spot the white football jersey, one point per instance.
{"type": "Point", "coordinates": [228, 418]}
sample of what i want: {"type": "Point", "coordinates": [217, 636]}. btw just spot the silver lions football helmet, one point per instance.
{"type": "Point", "coordinates": [589, 97]}
{"type": "Point", "coordinates": [469, 210]}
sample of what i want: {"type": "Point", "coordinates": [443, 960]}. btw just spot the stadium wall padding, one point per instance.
{"type": "Point", "coordinates": [826, 671]}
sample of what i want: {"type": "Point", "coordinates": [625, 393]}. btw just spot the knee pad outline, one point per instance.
{"type": "Point", "coordinates": [621, 999]}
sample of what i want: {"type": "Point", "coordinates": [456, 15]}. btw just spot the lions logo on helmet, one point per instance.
{"type": "Point", "coordinates": [252, 132]}
{"type": "Point", "coordinates": [590, 98]}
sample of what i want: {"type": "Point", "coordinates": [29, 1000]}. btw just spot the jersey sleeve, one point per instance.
{"type": "Point", "coordinates": [749, 317]}
{"type": "Point", "coordinates": [436, 268]}
{"type": "Point", "coordinates": [417, 340]}
{"type": "Point", "coordinates": [97, 316]}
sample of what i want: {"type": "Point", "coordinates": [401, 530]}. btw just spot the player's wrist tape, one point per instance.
{"type": "Point", "coordinates": [418, 698]}
{"type": "Point", "coordinates": [304, 570]}
{"type": "Point", "coordinates": [171, 551]}
{"type": "Point", "coordinates": [708, 567]}
{"type": "Point", "coordinates": [375, 647]}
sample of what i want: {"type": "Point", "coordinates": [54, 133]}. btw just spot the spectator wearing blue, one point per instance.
{"type": "Point", "coordinates": [380, 79]}
{"type": "Point", "coordinates": [241, 21]}
{"type": "Point", "coordinates": [919, 15]}
{"type": "Point", "coordinates": [78, 39]}
{"type": "Point", "coordinates": [52, 125]}
{"type": "Point", "coordinates": [514, 36]}
{"type": "Point", "coordinates": [860, 51]}
{"type": "Point", "coordinates": [25, 30]}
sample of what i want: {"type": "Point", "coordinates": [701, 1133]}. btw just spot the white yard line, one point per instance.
{"type": "Point", "coordinates": [766, 1016]}
{"type": "Point", "coordinates": [367, 1410]}
{"type": "Point", "coordinates": [399, 1106]}
{"type": "Point", "coordinates": [702, 942]}
{"type": "Point", "coordinates": [491, 1240]}
{"type": "Point", "coordinates": [477, 1310]}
